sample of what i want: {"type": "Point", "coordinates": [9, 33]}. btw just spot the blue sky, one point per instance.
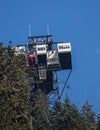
{"type": "Point", "coordinates": [75, 21]}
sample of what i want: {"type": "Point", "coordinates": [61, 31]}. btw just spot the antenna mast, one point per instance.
{"type": "Point", "coordinates": [48, 29]}
{"type": "Point", "coordinates": [30, 30]}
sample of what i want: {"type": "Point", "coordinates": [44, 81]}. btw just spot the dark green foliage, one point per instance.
{"type": "Point", "coordinates": [67, 116]}
{"type": "Point", "coordinates": [40, 113]}
{"type": "Point", "coordinates": [88, 116]}
{"type": "Point", "coordinates": [98, 122]}
{"type": "Point", "coordinates": [14, 105]}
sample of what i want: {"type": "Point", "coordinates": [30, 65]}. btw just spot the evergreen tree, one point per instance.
{"type": "Point", "coordinates": [89, 116]}
{"type": "Point", "coordinates": [66, 116]}
{"type": "Point", "coordinates": [14, 106]}
{"type": "Point", "coordinates": [23, 110]}
{"type": "Point", "coordinates": [40, 112]}
{"type": "Point", "coordinates": [98, 122]}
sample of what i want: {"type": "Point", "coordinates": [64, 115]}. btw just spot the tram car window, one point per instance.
{"type": "Point", "coordinates": [64, 52]}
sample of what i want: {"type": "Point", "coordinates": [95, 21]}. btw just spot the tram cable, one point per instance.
{"type": "Point", "coordinates": [65, 84]}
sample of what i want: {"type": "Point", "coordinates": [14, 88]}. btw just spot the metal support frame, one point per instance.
{"type": "Point", "coordinates": [65, 84]}
{"type": "Point", "coordinates": [38, 79]}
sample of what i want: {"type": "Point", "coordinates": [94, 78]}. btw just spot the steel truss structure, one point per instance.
{"type": "Point", "coordinates": [45, 58]}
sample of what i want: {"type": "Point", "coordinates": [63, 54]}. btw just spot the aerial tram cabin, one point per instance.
{"type": "Point", "coordinates": [42, 56]}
